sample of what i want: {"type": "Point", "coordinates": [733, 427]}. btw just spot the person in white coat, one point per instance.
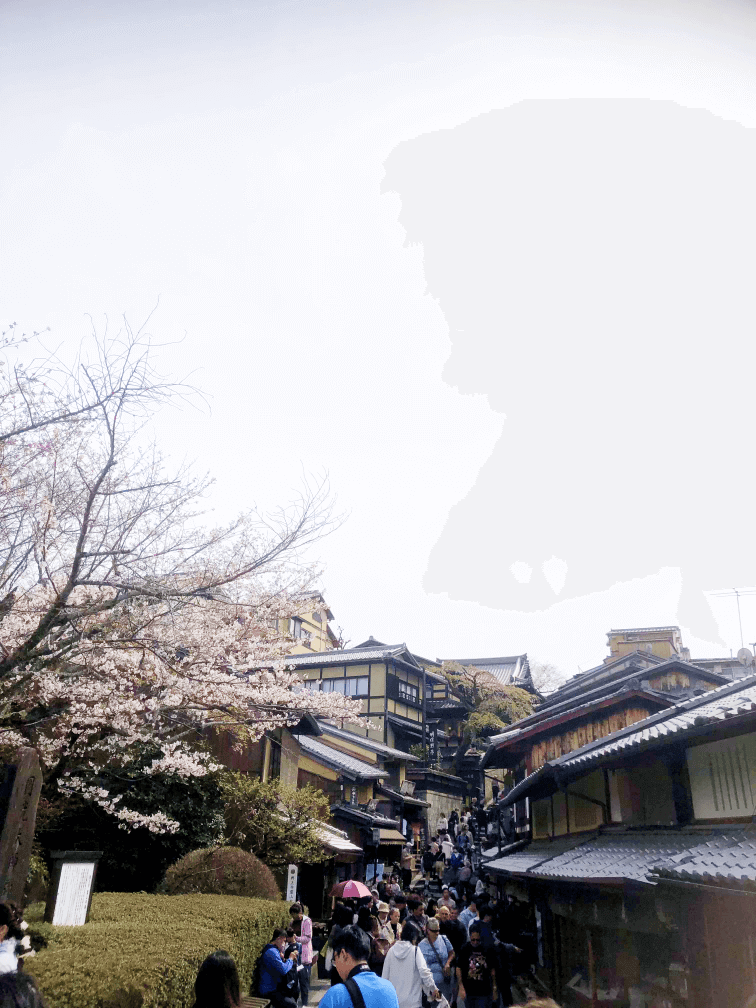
{"type": "Point", "coordinates": [406, 969]}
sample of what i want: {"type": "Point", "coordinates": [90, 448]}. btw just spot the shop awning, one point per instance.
{"type": "Point", "coordinates": [338, 842]}
{"type": "Point", "coordinates": [391, 836]}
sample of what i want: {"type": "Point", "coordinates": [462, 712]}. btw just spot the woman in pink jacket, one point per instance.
{"type": "Point", "coordinates": [303, 927]}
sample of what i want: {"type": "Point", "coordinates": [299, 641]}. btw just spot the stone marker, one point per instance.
{"type": "Point", "coordinates": [20, 786]}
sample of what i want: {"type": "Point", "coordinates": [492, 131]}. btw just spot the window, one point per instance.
{"type": "Point", "coordinates": [355, 686]}
{"type": "Point", "coordinates": [409, 692]}
{"type": "Point", "coordinates": [297, 631]}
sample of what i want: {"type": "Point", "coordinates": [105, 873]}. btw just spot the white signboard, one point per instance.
{"type": "Point", "coordinates": [73, 893]}
{"type": "Point", "coordinates": [291, 883]}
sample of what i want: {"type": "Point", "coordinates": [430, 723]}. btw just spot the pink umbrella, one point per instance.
{"type": "Point", "coordinates": [350, 889]}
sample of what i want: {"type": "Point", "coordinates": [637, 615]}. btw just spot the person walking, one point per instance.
{"type": "Point", "coordinates": [217, 983]}
{"type": "Point", "coordinates": [275, 970]}
{"type": "Point", "coordinates": [405, 967]}
{"type": "Point", "coordinates": [302, 926]}
{"type": "Point", "coordinates": [386, 931]}
{"type": "Point", "coordinates": [351, 949]}
{"type": "Point", "coordinates": [438, 953]}
{"type": "Point", "coordinates": [470, 914]}
{"type": "Point", "coordinates": [406, 866]}
{"type": "Point", "coordinates": [476, 973]}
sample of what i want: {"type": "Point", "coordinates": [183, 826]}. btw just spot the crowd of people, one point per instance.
{"type": "Point", "coordinates": [394, 948]}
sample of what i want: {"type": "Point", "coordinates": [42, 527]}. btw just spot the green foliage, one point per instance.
{"type": "Point", "coordinates": [493, 706]}
{"type": "Point", "coordinates": [143, 951]}
{"type": "Point", "coordinates": [225, 871]}
{"type": "Point", "coordinates": [135, 860]}
{"type": "Point", "coordinates": [481, 723]}
{"type": "Point", "coordinates": [275, 822]}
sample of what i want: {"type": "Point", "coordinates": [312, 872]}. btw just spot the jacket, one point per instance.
{"type": "Point", "coordinates": [272, 969]}
{"type": "Point", "coordinates": [405, 967]}
{"type": "Point", "coordinates": [376, 992]}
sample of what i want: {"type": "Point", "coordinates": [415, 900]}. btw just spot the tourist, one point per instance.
{"type": "Point", "coordinates": [505, 954]}
{"type": "Point", "coordinates": [275, 967]}
{"type": "Point", "coordinates": [484, 924]}
{"type": "Point", "coordinates": [430, 908]}
{"type": "Point", "coordinates": [453, 822]}
{"type": "Point", "coordinates": [446, 898]}
{"type": "Point", "coordinates": [406, 968]}
{"type": "Point", "coordinates": [342, 917]}
{"type": "Point", "coordinates": [467, 916]}
{"type": "Point", "coordinates": [443, 824]}
{"type": "Point", "coordinates": [451, 927]}
{"type": "Point", "coordinates": [11, 931]}
{"type": "Point", "coordinates": [383, 923]}
{"type": "Point", "coordinates": [406, 865]}
{"type": "Point", "coordinates": [438, 953]}
{"type": "Point", "coordinates": [351, 949]}
{"type": "Point", "coordinates": [378, 947]}
{"type": "Point", "coordinates": [447, 847]}
{"type": "Point", "coordinates": [395, 922]}
{"type": "Point", "coordinates": [18, 990]}
{"type": "Point", "coordinates": [400, 904]}
{"type": "Point", "coordinates": [302, 926]}
{"type": "Point", "coordinates": [440, 864]}
{"type": "Point", "coordinates": [476, 972]}
{"type": "Point", "coordinates": [417, 915]}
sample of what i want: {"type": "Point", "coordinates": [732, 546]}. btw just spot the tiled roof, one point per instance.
{"type": "Point", "coordinates": [727, 859]}
{"type": "Point", "coordinates": [332, 757]}
{"type": "Point", "coordinates": [368, 743]}
{"type": "Point", "coordinates": [524, 860]}
{"type": "Point", "coordinates": [509, 671]}
{"type": "Point", "coordinates": [617, 856]}
{"type": "Point", "coordinates": [640, 856]}
{"type": "Point", "coordinates": [342, 656]}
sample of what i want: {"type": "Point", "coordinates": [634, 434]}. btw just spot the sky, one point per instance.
{"type": "Point", "coordinates": [485, 263]}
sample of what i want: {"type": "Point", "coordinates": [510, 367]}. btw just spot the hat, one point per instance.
{"type": "Point", "coordinates": [433, 924]}
{"type": "Point", "coordinates": [374, 892]}
{"type": "Point", "coordinates": [382, 908]}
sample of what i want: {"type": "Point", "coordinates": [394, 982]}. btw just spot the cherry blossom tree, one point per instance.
{"type": "Point", "coordinates": [127, 623]}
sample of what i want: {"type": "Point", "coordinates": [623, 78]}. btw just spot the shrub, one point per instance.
{"type": "Point", "coordinates": [143, 951]}
{"type": "Point", "coordinates": [225, 871]}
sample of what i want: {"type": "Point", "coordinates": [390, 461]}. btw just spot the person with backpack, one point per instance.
{"type": "Point", "coordinates": [405, 967]}
{"type": "Point", "coordinates": [360, 987]}
{"type": "Point", "coordinates": [277, 964]}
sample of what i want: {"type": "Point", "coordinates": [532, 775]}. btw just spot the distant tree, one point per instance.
{"type": "Point", "coordinates": [492, 705]}
{"type": "Point", "coordinates": [278, 824]}
{"type": "Point", "coordinates": [547, 677]}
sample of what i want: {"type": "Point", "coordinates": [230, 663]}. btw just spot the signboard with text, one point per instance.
{"type": "Point", "coordinates": [291, 883]}
{"type": "Point", "coordinates": [71, 887]}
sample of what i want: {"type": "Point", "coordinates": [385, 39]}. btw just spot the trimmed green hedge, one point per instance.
{"type": "Point", "coordinates": [143, 951]}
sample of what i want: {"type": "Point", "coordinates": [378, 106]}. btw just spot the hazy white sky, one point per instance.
{"type": "Point", "coordinates": [488, 263]}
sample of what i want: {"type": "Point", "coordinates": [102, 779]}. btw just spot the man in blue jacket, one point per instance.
{"type": "Point", "coordinates": [274, 969]}
{"type": "Point", "coordinates": [351, 948]}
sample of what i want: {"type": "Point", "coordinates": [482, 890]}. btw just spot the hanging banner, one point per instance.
{"type": "Point", "coordinates": [291, 883]}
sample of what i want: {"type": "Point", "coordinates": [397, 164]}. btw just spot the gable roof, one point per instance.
{"type": "Point", "coordinates": [578, 701]}
{"type": "Point", "coordinates": [509, 671]}
{"type": "Point", "coordinates": [367, 743]}
{"type": "Point", "coordinates": [350, 766]}
{"type": "Point", "coordinates": [367, 651]}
